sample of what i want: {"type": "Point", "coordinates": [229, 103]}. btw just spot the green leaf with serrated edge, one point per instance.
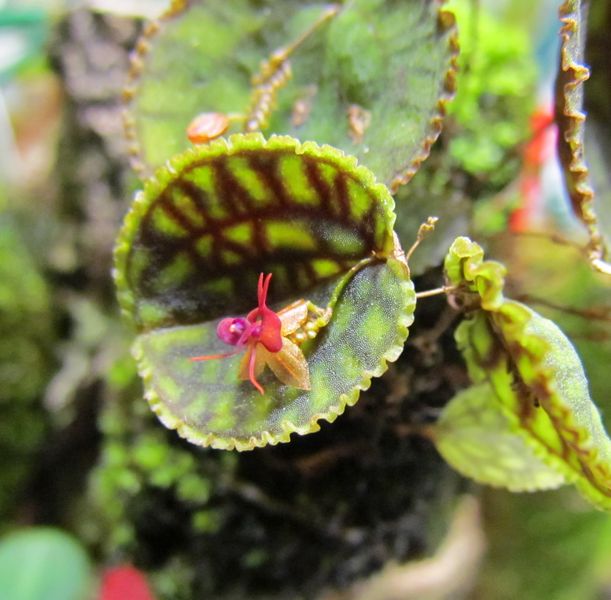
{"type": "Point", "coordinates": [476, 438]}
{"type": "Point", "coordinates": [190, 253]}
{"type": "Point", "coordinates": [388, 64]}
{"type": "Point", "coordinates": [536, 377]}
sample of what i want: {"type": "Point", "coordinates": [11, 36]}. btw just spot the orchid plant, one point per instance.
{"type": "Point", "coordinates": [215, 215]}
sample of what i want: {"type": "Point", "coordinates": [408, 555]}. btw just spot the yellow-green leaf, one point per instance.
{"type": "Point", "coordinates": [475, 436]}
{"type": "Point", "coordinates": [536, 375]}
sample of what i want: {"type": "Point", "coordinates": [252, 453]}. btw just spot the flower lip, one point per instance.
{"type": "Point", "coordinates": [267, 330]}
{"type": "Point", "coordinates": [234, 331]}
{"type": "Point", "coordinates": [260, 334]}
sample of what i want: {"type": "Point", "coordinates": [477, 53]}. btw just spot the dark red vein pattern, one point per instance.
{"type": "Point", "coordinates": [223, 217]}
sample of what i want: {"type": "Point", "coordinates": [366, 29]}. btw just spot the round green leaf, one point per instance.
{"type": "Point", "coordinates": [372, 80]}
{"type": "Point", "coordinates": [190, 253]}
{"type": "Point", "coordinates": [475, 436]}
{"type": "Point", "coordinates": [43, 564]}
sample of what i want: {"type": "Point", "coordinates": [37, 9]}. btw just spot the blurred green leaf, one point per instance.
{"type": "Point", "coordinates": [495, 93]}
{"type": "Point", "coordinates": [25, 338]}
{"type": "Point", "coordinates": [43, 564]}
{"type": "Point", "coordinates": [521, 529]}
{"type": "Point", "coordinates": [23, 32]}
{"type": "Point", "coordinates": [388, 64]}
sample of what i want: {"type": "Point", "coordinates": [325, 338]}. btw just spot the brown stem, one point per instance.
{"type": "Point", "coordinates": [602, 313]}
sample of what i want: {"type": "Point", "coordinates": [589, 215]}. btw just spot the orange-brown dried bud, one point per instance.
{"type": "Point", "coordinates": [207, 126]}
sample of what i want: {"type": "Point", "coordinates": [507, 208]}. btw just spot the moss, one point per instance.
{"type": "Point", "coordinates": [139, 457]}
{"type": "Point", "coordinates": [496, 91]}
{"type": "Point", "coordinates": [25, 333]}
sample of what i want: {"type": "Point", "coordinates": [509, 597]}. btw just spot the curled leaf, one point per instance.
{"type": "Point", "coordinates": [598, 109]}
{"type": "Point", "coordinates": [536, 376]}
{"type": "Point", "coordinates": [571, 122]}
{"type": "Point", "coordinates": [191, 251]}
{"type": "Point", "coordinates": [466, 270]}
{"type": "Point", "coordinates": [371, 78]}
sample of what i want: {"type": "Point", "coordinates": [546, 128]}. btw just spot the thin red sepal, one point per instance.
{"type": "Point", "coordinates": [251, 369]}
{"type": "Point", "coordinates": [214, 356]}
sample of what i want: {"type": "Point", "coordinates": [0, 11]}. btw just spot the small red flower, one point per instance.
{"type": "Point", "coordinates": [262, 334]}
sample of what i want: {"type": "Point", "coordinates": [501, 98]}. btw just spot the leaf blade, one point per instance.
{"type": "Point", "coordinates": [352, 274]}
{"type": "Point", "coordinates": [535, 373]}
{"type": "Point", "coordinates": [473, 423]}
{"type": "Point", "coordinates": [354, 65]}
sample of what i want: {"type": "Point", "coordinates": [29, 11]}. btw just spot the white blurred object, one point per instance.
{"type": "Point", "coordinates": [13, 46]}
{"type": "Point", "coordinates": [448, 575]}
{"type": "Point", "coordinates": [10, 163]}
{"type": "Point", "coordinates": [148, 9]}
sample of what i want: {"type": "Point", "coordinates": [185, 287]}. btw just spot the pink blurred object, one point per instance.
{"type": "Point", "coordinates": [124, 583]}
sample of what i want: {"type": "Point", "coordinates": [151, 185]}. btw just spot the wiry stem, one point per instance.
{"type": "Point", "coordinates": [423, 231]}
{"type": "Point", "coordinates": [600, 313]}
{"type": "Point", "coordinates": [446, 289]}
{"type": "Point", "coordinates": [274, 74]}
